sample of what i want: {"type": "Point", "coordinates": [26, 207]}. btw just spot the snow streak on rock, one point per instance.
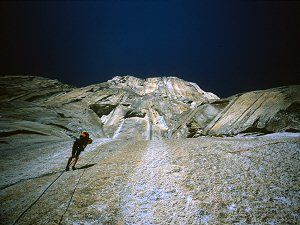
{"type": "Point", "coordinates": [117, 132]}
{"type": "Point", "coordinates": [154, 193]}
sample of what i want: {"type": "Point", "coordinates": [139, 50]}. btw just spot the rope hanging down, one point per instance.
{"type": "Point", "coordinates": [22, 214]}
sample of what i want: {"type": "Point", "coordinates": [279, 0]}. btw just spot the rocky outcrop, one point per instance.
{"type": "Point", "coordinates": [124, 107]}
{"type": "Point", "coordinates": [152, 105]}
{"type": "Point", "coordinates": [153, 108]}
{"type": "Point", "coordinates": [266, 111]}
{"type": "Point", "coordinates": [136, 171]}
{"type": "Point", "coordinates": [25, 108]}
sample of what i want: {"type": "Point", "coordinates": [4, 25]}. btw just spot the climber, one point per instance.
{"type": "Point", "coordinates": [78, 146]}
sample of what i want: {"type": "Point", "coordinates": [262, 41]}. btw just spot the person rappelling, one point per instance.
{"type": "Point", "coordinates": [78, 146]}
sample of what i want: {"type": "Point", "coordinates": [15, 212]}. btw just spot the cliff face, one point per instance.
{"type": "Point", "coordinates": [266, 111]}
{"type": "Point", "coordinates": [129, 107]}
{"type": "Point", "coordinates": [25, 109]}
{"type": "Point", "coordinates": [124, 107]}
{"type": "Point", "coordinates": [275, 110]}
{"type": "Point", "coordinates": [147, 109]}
{"type": "Point", "coordinates": [131, 174]}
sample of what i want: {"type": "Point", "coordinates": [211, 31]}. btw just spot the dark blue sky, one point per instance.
{"type": "Point", "coordinates": [224, 46]}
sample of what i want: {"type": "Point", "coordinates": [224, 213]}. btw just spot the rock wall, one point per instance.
{"type": "Point", "coordinates": [266, 111]}
{"type": "Point", "coordinates": [129, 107]}
{"type": "Point", "coordinates": [124, 107]}
{"type": "Point", "coordinates": [27, 107]}
{"type": "Point", "coordinates": [205, 180]}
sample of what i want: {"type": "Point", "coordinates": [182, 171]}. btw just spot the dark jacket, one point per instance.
{"type": "Point", "coordinates": [80, 143]}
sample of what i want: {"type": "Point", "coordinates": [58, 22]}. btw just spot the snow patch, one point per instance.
{"type": "Point", "coordinates": [118, 131]}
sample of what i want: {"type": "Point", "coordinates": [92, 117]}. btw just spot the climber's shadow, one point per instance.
{"type": "Point", "coordinates": [86, 166]}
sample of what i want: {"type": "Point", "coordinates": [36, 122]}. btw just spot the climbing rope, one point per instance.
{"type": "Point", "coordinates": [76, 187]}
{"type": "Point", "coordinates": [71, 197]}
{"type": "Point", "coordinates": [22, 214]}
{"type": "Point", "coordinates": [29, 207]}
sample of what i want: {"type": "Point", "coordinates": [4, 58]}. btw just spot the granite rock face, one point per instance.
{"type": "Point", "coordinates": [122, 107]}
{"type": "Point", "coordinates": [26, 109]}
{"type": "Point", "coordinates": [141, 168]}
{"type": "Point", "coordinates": [153, 108]}
{"type": "Point", "coordinates": [205, 180]}
{"type": "Point", "coordinates": [266, 111]}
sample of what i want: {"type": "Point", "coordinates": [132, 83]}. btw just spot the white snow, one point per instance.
{"type": "Point", "coordinates": [117, 132]}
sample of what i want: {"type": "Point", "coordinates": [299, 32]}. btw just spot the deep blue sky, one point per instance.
{"type": "Point", "coordinates": [224, 46]}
